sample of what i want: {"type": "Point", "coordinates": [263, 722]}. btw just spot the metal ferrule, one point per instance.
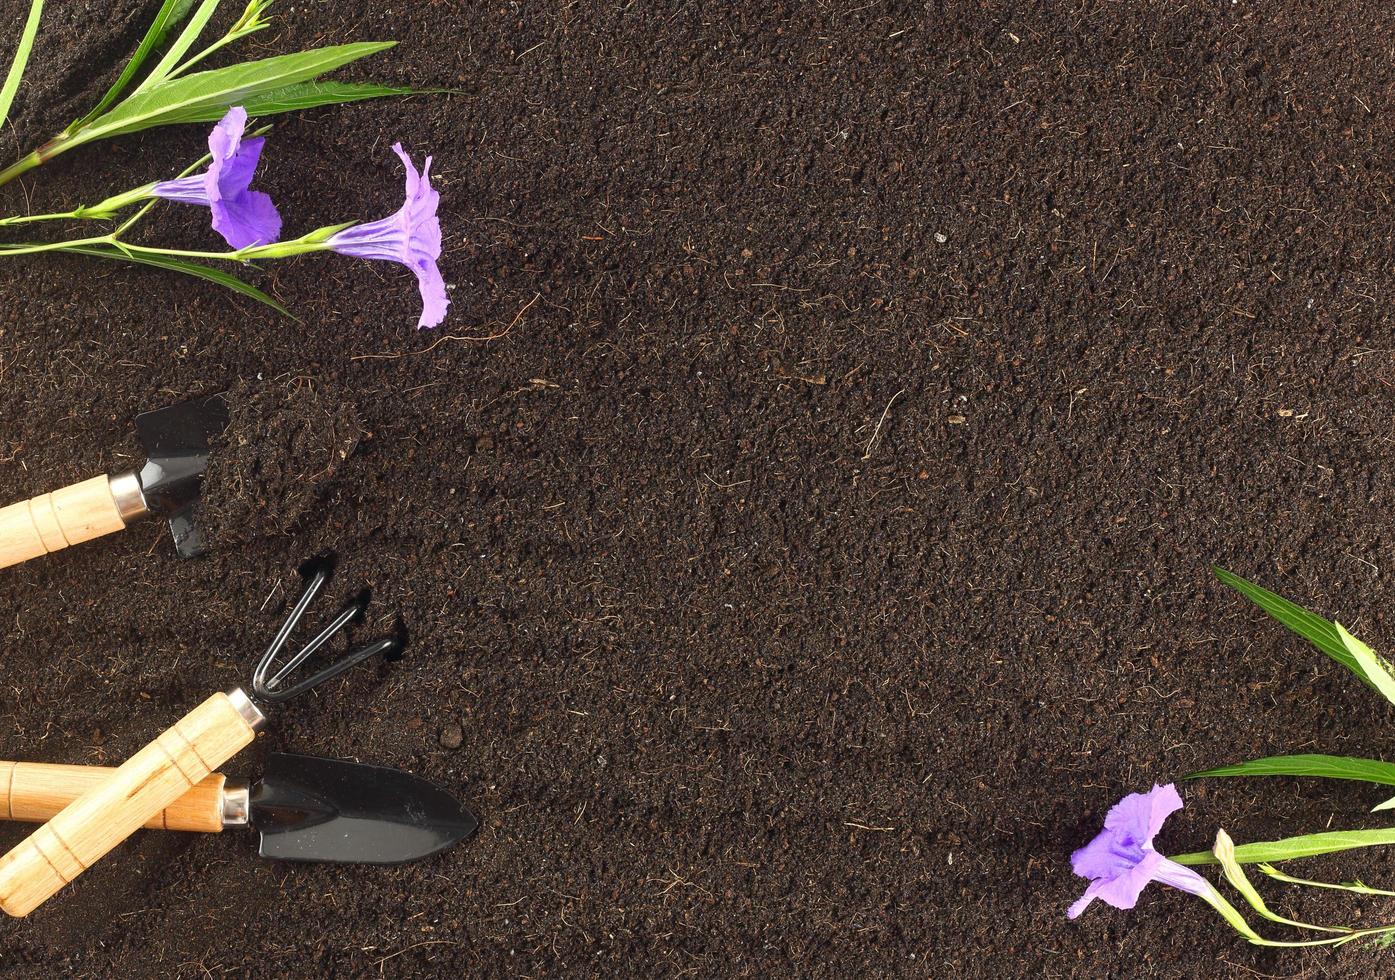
{"type": "Point", "coordinates": [130, 499]}
{"type": "Point", "coordinates": [250, 712]}
{"type": "Point", "coordinates": [237, 803]}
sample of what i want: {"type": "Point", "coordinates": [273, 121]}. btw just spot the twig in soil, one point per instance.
{"type": "Point", "coordinates": [1363, 561]}
{"type": "Point", "coordinates": [867, 453]}
{"type": "Point", "coordinates": [478, 340]}
{"type": "Point", "coordinates": [1267, 976]}
{"type": "Point", "coordinates": [669, 886]}
{"type": "Point", "coordinates": [428, 942]}
{"type": "Point", "coordinates": [274, 589]}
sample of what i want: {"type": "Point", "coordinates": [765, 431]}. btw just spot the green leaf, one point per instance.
{"type": "Point", "coordinates": [188, 268]}
{"type": "Point", "coordinates": [309, 95]}
{"type": "Point", "coordinates": [1387, 805]}
{"type": "Point", "coordinates": [193, 97]}
{"type": "Point", "coordinates": [1323, 766]}
{"type": "Point", "coordinates": [249, 23]}
{"type": "Point", "coordinates": [1358, 886]}
{"type": "Point", "coordinates": [1375, 669]}
{"type": "Point", "coordinates": [22, 52]}
{"type": "Point", "coordinates": [1289, 848]}
{"type": "Point", "coordinates": [169, 15]}
{"type": "Point", "coordinates": [1224, 852]}
{"type": "Point", "coordinates": [1320, 632]}
{"type": "Point", "coordinates": [305, 95]}
{"type": "Point", "coordinates": [181, 45]}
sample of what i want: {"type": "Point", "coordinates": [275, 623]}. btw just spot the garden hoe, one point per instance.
{"type": "Point", "coordinates": [177, 442]}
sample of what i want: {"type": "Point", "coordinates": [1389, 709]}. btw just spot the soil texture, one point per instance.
{"type": "Point", "coordinates": [274, 460]}
{"type": "Point", "coordinates": [804, 516]}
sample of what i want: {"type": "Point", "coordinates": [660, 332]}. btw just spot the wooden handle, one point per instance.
{"type": "Point", "coordinates": [54, 521]}
{"type": "Point", "coordinates": [86, 829]}
{"type": "Point", "coordinates": [32, 792]}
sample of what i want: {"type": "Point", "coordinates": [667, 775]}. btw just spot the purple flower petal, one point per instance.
{"type": "Point", "coordinates": [248, 219]}
{"type": "Point", "coordinates": [226, 139]}
{"type": "Point", "coordinates": [233, 175]}
{"type": "Point", "coordinates": [1105, 856]}
{"type": "Point", "coordinates": [1121, 861]}
{"type": "Point", "coordinates": [243, 217]}
{"type": "Point", "coordinates": [411, 237]}
{"type": "Point", "coordinates": [433, 293]}
{"type": "Point", "coordinates": [1141, 815]}
{"type": "Point", "coordinates": [1092, 892]}
{"type": "Point", "coordinates": [1122, 891]}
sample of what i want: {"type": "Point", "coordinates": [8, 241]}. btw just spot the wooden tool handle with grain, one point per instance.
{"type": "Point", "coordinates": [57, 520]}
{"type": "Point", "coordinates": [86, 829]}
{"type": "Point", "coordinates": [33, 792]}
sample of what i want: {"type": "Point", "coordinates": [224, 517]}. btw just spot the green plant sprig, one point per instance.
{"type": "Point", "coordinates": [172, 93]}
{"type": "Point", "coordinates": [21, 59]}
{"type": "Point", "coordinates": [1357, 887]}
{"type": "Point", "coordinates": [1371, 669]}
{"type": "Point", "coordinates": [168, 94]}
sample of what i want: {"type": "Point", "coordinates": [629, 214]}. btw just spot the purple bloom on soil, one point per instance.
{"type": "Point", "coordinates": [243, 217]}
{"type": "Point", "coordinates": [1121, 861]}
{"type": "Point", "coordinates": [412, 237]}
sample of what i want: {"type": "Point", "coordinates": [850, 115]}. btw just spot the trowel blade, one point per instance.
{"type": "Point", "coordinates": [312, 809]}
{"type": "Point", "coordinates": [177, 442]}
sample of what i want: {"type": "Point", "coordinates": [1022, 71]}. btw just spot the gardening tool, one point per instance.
{"type": "Point", "coordinates": [183, 756]}
{"type": "Point", "coordinates": [304, 808]}
{"type": "Point", "coordinates": [176, 441]}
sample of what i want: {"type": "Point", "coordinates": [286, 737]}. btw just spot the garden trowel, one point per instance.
{"type": "Point", "coordinates": [177, 442]}
{"type": "Point", "coordinates": [198, 744]}
{"type": "Point", "coordinates": [305, 808]}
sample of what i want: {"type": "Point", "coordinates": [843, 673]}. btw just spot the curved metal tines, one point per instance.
{"type": "Point", "coordinates": [271, 687]}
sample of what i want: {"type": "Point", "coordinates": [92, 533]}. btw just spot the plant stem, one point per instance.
{"type": "Point", "coordinates": [1359, 887]}
{"type": "Point", "coordinates": [131, 221]}
{"type": "Point", "coordinates": [113, 241]}
{"type": "Point", "coordinates": [26, 218]}
{"type": "Point", "coordinates": [275, 250]}
{"type": "Point", "coordinates": [55, 246]}
{"type": "Point", "coordinates": [222, 42]}
{"type": "Point", "coordinates": [182, 253]}
{"type": "Point", "coordinates": [21, 166]}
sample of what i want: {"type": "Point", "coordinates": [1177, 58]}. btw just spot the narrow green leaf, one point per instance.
{"type": "Point", "coordinates": [1324, 766]}
{"type": "Point", "coordinates": [169, 15]}
{"type": "Point", "coordinates": [249, 23]}
{"type": "Point", "coordinates": [1308, 845]}
{"type": "Point", "coordinates": [1358, 886]}
{"type": "Point", "coordinates": [1387, 805]}
{"type": "Point", "coordinates": [1224, 852]}
{"type": "Point", "coordinates": [181, 45]}
{"type": "Point", "coordinates": [305, 95]}
{"type": "Point", "coordinates": [188, 268]}
{"type": "Point", "coordinates": [22, 52]}
{"type": "Point", "coordinates": [1320, 632]}
{"type": "Point", "coordinates": [309, 95]}
{"type": "Point", "coordinates": [193, 97]}
{"type": "Point", "coordinates": [1376, 670]}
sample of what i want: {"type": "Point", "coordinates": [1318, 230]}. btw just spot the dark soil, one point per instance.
{"type": "Point", "coordinates": [274, 461]}
{"type": "Point", "coordinates": [804, 514]}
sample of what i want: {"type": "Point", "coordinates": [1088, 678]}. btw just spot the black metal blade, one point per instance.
{"type": "Point", "coordinates": [177, 441]}
{"type": "Point", "coordinates": [310, 809]}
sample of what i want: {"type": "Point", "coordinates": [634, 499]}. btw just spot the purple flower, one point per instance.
{"type": "Point", "coordinates": [243, 217]}
{"type": "Point", "coordinates": [1121, 861]}
{"type": "Point", "coordinates": [412, 237]}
